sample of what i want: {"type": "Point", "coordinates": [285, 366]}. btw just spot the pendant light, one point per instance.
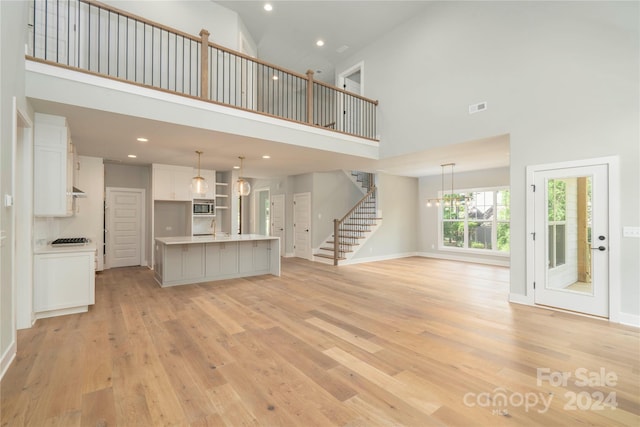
{"type": "Point", "coordinates": [451, 199]}
{"type": "Point", "coordinates": [242, 185]}
{"type": "Point", "coordinates": [198, 183]}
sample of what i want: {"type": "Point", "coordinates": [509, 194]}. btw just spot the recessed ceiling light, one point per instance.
{"type": "Point", "coordinates": [132, 156]}
{"type": "Point", "coordinates": [275, 77]}
{"type": "Point", "coordinates": [320, 43]}
{"type": "Point", "coordinates": [236, 167]}
{"type": "Point", "coordinates": [268, 7]}
{"type": "Point", "coordinates": [142, 139]}
{"type": "Point", "coordinates": [266, 156]}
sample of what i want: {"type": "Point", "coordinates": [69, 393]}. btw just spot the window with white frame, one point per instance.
{"type": "Point", "coordinates": [479, 223]}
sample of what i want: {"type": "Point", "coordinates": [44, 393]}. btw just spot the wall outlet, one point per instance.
{"type": "Point", "coordinates": [631, 232]}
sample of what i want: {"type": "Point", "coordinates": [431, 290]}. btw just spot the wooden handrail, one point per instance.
{"type": "Point", "coordinates": [364, 128]}
{"type": "Point", "coordinates": [171, 92]}
{"type": "Point", "coordinates": [337, 89]}
{"type": "Point", "coordinates": [357, 205]}
{"type": "Point", "coordinates": [293, 73]}
{"type": "Point", "coordinates": [338, 222]}
{"type": "Point", "coordinates": [217, 46]}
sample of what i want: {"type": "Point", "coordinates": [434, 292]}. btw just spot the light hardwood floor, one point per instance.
{"type": "Point", "coordinates": [413, 342]}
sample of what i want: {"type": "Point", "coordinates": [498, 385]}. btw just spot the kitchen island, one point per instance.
{"type": "Point", "coordinates": [196, 259]}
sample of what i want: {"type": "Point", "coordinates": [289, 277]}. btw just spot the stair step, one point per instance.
{"type": "Point", "coordinates": [330, 242]}
{"type": "Point", "coordinates": [331, 249]}
{"type": "Point", "coordinates": [349, 237]}
{"type": "Point", "coordinates": [329, 257]}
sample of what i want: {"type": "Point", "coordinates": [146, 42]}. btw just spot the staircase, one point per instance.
{"type": "Point", "coordinates": [352, 230]}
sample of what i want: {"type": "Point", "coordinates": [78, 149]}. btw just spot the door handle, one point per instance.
{"type": "Point", "coordinates": [600, 248]}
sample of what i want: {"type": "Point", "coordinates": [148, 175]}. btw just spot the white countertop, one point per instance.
{"type": "Point", "coordinates": [181, 240]}
{"type": "Point", "coordinates": [48, 249]}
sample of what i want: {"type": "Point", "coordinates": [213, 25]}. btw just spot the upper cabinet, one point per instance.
{"type": "Point", "coordinates": [172, 182]}
{"type": "Point", "coordinates": [53, 166]}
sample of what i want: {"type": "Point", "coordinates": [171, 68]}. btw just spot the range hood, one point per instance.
{"type": "Point", "coordinates": [78, 193]}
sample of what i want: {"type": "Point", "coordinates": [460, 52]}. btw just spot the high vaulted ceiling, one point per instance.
{"type": "Point", "coordinates": [287, 35]}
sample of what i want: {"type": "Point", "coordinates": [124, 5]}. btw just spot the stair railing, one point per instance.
{"type": "Point", "coordinates": [351, 227]}
{"type": "Point", "coordinates": [92, 37]}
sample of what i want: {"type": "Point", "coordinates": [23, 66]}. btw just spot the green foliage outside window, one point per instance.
{"type": "Point", "coordinates": [483, 223]}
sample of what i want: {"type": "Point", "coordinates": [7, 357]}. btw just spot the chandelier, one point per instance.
{"type": "Point", "coordinates": [450, 199]}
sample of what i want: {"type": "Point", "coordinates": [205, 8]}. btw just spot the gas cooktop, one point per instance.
{"type": "Point", "coordinates": [70, 241]}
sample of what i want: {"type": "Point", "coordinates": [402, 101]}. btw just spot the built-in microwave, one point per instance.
{"type": "Point", "coordinates": [204, 207]}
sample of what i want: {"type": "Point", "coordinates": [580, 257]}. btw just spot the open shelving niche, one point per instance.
{"type": "Point", "coordinates": [223, 203]}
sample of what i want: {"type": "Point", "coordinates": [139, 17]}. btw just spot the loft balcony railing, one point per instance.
{"type": "Point", "coordinates": [88, 36]}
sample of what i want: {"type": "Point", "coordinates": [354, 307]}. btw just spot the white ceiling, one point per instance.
{"type": "Point", "coordinates": [285, 37]}
{"type": "Point", "coordinates": [113, 137]}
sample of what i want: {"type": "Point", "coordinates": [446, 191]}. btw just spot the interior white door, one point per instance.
{"type": "Point", "coordinates": [277, 219]}
{"type": "Point", "coordinates": [572, 239]}
{"type": "Point", "coordinates": [124, 227]}
{"type": "Point", "coordinates": [351, 110]}
{"type": "Point", "coordinates": [302, 225]}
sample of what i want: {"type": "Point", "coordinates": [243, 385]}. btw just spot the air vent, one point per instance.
{"type": "Point", "coordinates": [476, 108]}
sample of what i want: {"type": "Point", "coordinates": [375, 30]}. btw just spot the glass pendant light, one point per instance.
{"type": "Point", "coordinates": [198, 183]}
{"type": "Point", "coordinates": [242, 185]}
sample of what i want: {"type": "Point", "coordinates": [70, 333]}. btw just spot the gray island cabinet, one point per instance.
{"type": "Point", "coordinates": [196, 259]}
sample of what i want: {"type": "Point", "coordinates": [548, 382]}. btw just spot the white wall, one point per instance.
{"type": "Point", "coordinates": [397, 234]}
{"type": "Point", "coordinates": [87, 220]}
{"type": "Point", "coordinates": [333, 195]}
{"type": "Point", "coordinates": [560, 77]}
{"type": "Point", "coordinates": [13, 16]}
{"type": "Point", "coordinates": [428, 224]}
{"type": "Point", "coordinates": [189, 16]}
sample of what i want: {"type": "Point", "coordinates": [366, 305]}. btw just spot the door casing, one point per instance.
{"type": "Point", "coordinates": [613, 164]}
{"type": "Point", "coordinates": [140, 191]}
{"type": "Point", "coordinates": [305, 252]}
{"type": "Point", "coordinates": [278, 206]}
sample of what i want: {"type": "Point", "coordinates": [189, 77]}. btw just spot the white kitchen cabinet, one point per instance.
{"type": "Point", "coordinates": [172, 182]}
{"type": "Point", "coordinates": [182, 262]}
{"type": "Point", "coordinates": [254, 256]}
{"type": "Point", "coordinates": [187, 259]}
{"type": "Point", "coordinates": [53, 158]}
{"type": "Point", "coordinates": [64, 282]}
{"type": "Point", "coordinates": [221, 259]}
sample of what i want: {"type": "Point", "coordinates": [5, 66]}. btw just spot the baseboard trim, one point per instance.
{"type": "Point", "coordinates": [630, 319]}
{"type": "Point", "coordinates": [520, 299]}
{"type": "Point", "coordinates": [377, 258]}
{"type": "Point", "coordinates": [288, 255]}
{"type": "Point", "coordinates": [7, 358]}
{"type": "Point", "coordinates": [499, 263]}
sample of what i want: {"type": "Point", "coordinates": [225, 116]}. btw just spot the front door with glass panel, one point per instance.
{"type": "Point", "coordinates": [572, 239]}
